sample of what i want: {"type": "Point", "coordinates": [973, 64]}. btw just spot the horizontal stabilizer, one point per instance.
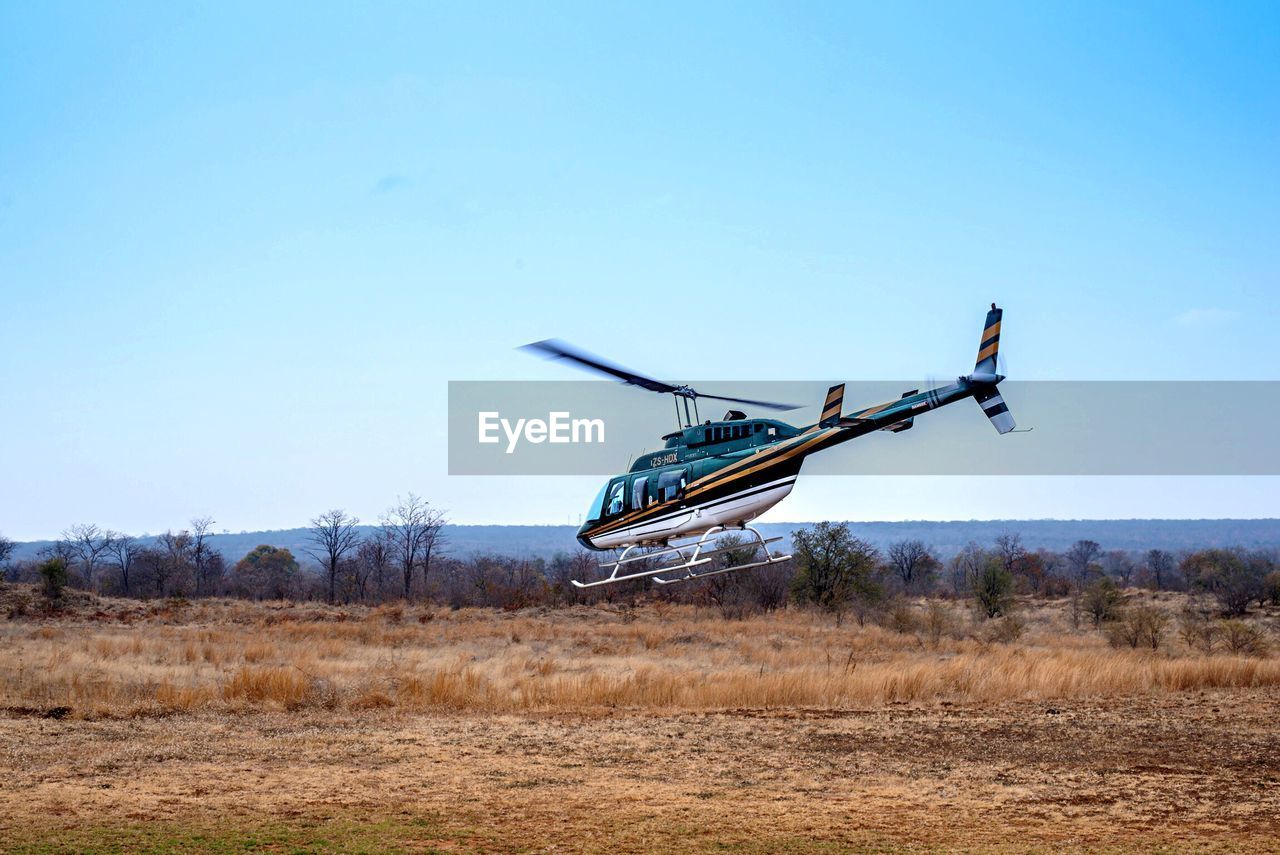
{"type": "Point", "coordinates": [905, 424]}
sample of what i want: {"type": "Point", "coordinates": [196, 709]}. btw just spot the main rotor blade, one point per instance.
{"type": "Point", "coordinates": [768, 405]}
{"type": "Point", "coordinates": [556, 349]}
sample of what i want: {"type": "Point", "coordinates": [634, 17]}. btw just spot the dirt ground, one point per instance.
{"type": "Point", "coordinates": [1193, 771]}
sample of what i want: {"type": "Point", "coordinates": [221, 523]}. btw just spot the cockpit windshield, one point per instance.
{"type": "Point", "coordinates": [593, 512]}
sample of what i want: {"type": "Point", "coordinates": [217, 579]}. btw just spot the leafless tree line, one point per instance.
{"type": "Point", "coordinates": [403, 558]}
{"type": "Point", "coordinates": [409, 534]}
{"type": "Point", "coordinates": [394, 561]}
{"type": "Point", "coordinates": [180, 562]}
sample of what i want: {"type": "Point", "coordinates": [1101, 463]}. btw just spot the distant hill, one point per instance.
{"type": "Point", "coordinates": [946, 538]}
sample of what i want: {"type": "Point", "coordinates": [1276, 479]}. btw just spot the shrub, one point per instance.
{"type": "Point", "coordinates": [1198, 633]}
{"type": "Point", "coordinates": [836, 570]}
{"type": "Point", "coordinates": [1271, 588]}
{"type": "Point", "coordinates": [1006, 630]}
{"type": "Point", "coordinates": [1242, 638]}
{"type": "Point", "coordinates": [53, 575]}
{"type": "Point", "coordinates": [902, 618]}
{"type": "Point", "coordinates": [1230, 575]}
{"type": "Point", "coordinates": [1055, 586]}
{"type": "Point", "coordinates": [1141, 626]}
{"type": "Point", "coordinates": [1236, 590]}
{"type": "Point", "coordinates": [938, 622]}
{"type": "Point", "coordinates": [992, 587]}
{"type": "Point", "coordinates": [1101, 599]}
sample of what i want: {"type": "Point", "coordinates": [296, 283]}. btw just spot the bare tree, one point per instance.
{"type": "Point", "coordinates": [171, 571]}
{"type": "Point", "coordinates": [1080, 559]}
{"type": "Point", "coordinates": [374, 555]}
{"type": "Point", "coordinates": [1011, 551]}
{"type": "Point", "coordinates": [911, 562]}
{"type": "Point", "coordinates": [124, 552]}
{"type": "Point", "coordinates": [1161, 566]}
{"type": "Point", "coordinates": [580, 565]}
{"type": "Point", "coordinates": [334, 534]}
{"type": "Point", "coordinates": [6, 549]}
{"type": "Point", "coordinates": [58, 549]}
{"type": "Point", "coordinates": [1119, 565]}
{"type": "Point", "coordinates": [354, 576]}
{"type": "Point", "coordinates": [413, 531]}
{"type": "Point", "coordinates": [965, 566]}
{"type": "Point", "coordinates": [87, 543]}
{"type": "Point", "coordinates": [206, 561]}
{"type": "Point", "coordinates": [727, 591]}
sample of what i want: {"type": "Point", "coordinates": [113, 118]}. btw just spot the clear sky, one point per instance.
{"type": "Point", "coordinates": [243, 247]}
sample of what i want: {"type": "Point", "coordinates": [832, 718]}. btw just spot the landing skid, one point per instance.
{"type": "Point", "coordinates": [688, 557]}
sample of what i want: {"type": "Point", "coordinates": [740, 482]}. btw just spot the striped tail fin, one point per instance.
{"type": "Point", "coordinates": [990, 346]}
{"type": "Point", "coordinates": [985, 378]}
{"type": "Point", "coordinates": [831, 407]}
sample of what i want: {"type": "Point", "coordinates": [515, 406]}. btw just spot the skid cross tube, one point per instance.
{"type": "Point", "coordinates": [689, 556]}
{"type": "Point", "coordinates": [760, 543]}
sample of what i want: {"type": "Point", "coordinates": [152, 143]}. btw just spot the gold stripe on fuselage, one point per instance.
{"type": "Point", "coordinates": [761, 464]}
{"type": "Point", "coordinates": [871, 411]}
{"type": "Point", "coordinates": [760, 460]}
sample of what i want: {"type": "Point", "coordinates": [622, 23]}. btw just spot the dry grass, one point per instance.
{"type": "Point", "coordinates": [120, 659]}
{"type": "Point", "coordinates": [224, 726]}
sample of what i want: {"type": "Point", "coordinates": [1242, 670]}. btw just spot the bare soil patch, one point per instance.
{"type": "Point", "coordinates": [230, 727]}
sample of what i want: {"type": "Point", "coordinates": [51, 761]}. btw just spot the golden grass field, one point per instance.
{"type": "Point", "coordinates": [229, 726]}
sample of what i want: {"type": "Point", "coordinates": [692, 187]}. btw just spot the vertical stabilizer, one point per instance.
{"type": "Point", "coordinates": [831, 407]}
{"type": "Point", "coordinates": [989, 347]}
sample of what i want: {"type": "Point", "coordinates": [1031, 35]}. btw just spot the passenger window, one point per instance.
{"type": "Point", "coordinates": [616, 492]}
{"type": "Point", "coordinates": [639, 492]}
{"type": "Point", "coordinates": [670, 484]}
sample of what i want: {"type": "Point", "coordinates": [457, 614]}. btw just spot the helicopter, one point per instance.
{"type": "Point", "coordinates": [713, 478]}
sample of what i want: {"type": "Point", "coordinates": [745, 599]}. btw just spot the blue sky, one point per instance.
{"type": "Point", "coordinates": [243, 249]}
